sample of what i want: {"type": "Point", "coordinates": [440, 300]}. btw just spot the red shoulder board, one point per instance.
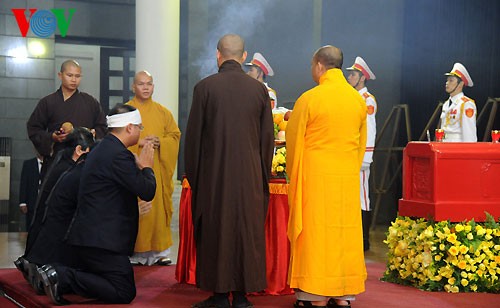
{"type": "Point", "coordinates": [469, 112]}
{"type": "Point", "coordinates": [366, 95]}
{"type": "Point", "coordinates": [465, 99]}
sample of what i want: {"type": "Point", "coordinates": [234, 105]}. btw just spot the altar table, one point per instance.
{"type": "Point", "coordinates": [277, 245]}
{"type": "Point", "coordinates": [453, 181]}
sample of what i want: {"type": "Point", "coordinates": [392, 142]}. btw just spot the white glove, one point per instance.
{"type": "Point", "coordinates": [365, 166]}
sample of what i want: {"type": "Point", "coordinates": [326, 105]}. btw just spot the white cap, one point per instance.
{"type": "Point", "coordinates": [259, 60]}
{"type": "Point", "coordinates": [459, 71]}
{"type": "Point", "coordinates": [360, 65]}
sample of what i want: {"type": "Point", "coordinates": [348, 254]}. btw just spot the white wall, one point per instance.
{"type": "Point", "coordinates": [89, 57]}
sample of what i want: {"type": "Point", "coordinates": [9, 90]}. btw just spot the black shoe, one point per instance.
{"type": "Point", "coordinates": [300, 303]}
{"type": "Point", "coordinates": [242, 303]}
{"type": "Point", "coordinates": [163, 261]}
{"type": "Point", "coordinates": [333, 304]}
{"type": "Point", "coordinates": [48, 276]}
{"type": "Point", "coordinates": [34, 279]}
{"type": "Point", "coordinates": [22, 265]}
{"type": "Point", "coordinates": [213, 302]}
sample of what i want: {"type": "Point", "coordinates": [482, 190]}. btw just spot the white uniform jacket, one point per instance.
{"type": "Point", "coordinates": [371, 126]}
{"type": "Point", "coordinates": [458, 119]}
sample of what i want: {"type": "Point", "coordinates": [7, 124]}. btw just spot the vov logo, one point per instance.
{"type": "Point", "coordinates": [43, 23]}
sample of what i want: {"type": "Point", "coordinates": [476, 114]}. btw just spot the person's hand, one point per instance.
{"type": "Point", "coordinates": [156, 141]}
{"type": "Point", "coordinates": [145, 207]}
{"type": "Point", "coordinates": [153, 139]}
{"type": "Point", "coordinates": [146, 159]}
{"type": "Point", "coordinates": [24, 209]}
{"type": "Point", "coordinates": [59, 136]}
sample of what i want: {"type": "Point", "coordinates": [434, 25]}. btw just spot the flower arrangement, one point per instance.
{"type": "Point", "coordinates": [278, 166]}
{"type": "Point", "coordinates": [437, 256]}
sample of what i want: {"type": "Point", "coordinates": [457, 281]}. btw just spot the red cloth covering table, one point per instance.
{"type": "Point", "coordinates": [277, 245]}
{"type": "Point", "coordinates": [453, 181]}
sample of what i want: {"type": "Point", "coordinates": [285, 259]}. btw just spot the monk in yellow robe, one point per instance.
{"type": "Point", "coordinates": [155, 237]}
{"type": "Point", "coordinates": [326, 138]}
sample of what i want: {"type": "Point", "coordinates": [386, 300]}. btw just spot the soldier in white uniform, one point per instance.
{"type": "Point", "coordinates": [259, 69]}
{"type": "Point", "coordinates": [458, 117]}
{"type": "Point", "coordinates": [359, 74]}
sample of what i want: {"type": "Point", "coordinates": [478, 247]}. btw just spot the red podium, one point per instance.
{"type": "Point", "coordinates": [451, 181]}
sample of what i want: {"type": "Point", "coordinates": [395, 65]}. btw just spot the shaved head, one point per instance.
{"type": "Point", "coordinates": [67, 63]}
{"type": "Point", "coordinates": [231, 46]}
{"type": "Point", "coordinates": [142, 73]}
{"type": "Point", "coordinates": [329, 56]}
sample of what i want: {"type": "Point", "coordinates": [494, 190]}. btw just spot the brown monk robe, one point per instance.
{"type": "Point", "coordinates": [228, 153]}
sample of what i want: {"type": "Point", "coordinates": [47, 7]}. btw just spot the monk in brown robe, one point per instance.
{"type": "Point", "coordinates": [228, 153]}
{"type": "Point", "coordinates": [67, 104]}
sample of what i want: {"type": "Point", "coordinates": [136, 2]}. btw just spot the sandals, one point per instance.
{"type": "Point", "coordinates": [333, 304]}
{"type": "Point", "coordinates": [305, 304]}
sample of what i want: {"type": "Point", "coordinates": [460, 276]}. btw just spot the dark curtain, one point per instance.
{"type": "Point", "coordinates": [438, 33]}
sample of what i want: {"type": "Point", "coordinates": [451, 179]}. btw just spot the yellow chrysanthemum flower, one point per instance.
{"type": "Point", "coordinates": [462, 264]}
{"type": "Point", "coordinates": [480, 230]}
{"type": "Point", "coordinates": [452, 238]}
{"type": "Point", "coordinates": [463, 249]}
{"type": "Point", "coordinates": [453, 250]}
{"type": "Point", "coordinates": [416, 255]}
{"type": "Point", "coordinates": [464, 282]}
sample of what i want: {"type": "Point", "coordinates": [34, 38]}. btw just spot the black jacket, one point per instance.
{"type": "Point", "coordinates": [28, 190]}
{"type": "Point", "coordinates": [107, 213]}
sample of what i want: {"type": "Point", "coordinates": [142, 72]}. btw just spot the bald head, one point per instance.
{"type": "Point", "coordinates": [140, 74]}
{"type": "Point", "coordinates": [329, 56]}
{"type": "Point", "coordinates": [231, 47]}
{"type": "Point", "coordinates": [68, 63]}
{"type": "Point", "coordinates": [143, 86]}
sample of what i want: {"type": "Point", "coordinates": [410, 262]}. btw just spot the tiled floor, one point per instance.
{"type": "Point", "coordinates": [12, 244]}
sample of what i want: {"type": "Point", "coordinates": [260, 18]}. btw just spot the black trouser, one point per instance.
{"type": "Point", "coordinates": [366, 220]}
{"type": "Point", "coordinates": [102, 274]}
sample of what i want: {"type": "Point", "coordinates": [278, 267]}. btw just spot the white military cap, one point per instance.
{"type": "Point", "coordinates": [459, 71]}
{"type": "Point", "coordinates": [360, 65]}
{"type": "Point", "coordinates": [259, 60]}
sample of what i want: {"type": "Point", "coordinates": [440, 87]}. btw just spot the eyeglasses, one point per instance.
{"type": "Point", "coordinates": [140, 126]}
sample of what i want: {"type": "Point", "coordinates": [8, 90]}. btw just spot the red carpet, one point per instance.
{"type": "Point", "coordinates": [156, 287]}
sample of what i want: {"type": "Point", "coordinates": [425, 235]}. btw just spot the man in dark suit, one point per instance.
{"type": "Point", "coordinates": [104, 228]}
{"type": "Point", "coordinates": [28, 190]}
